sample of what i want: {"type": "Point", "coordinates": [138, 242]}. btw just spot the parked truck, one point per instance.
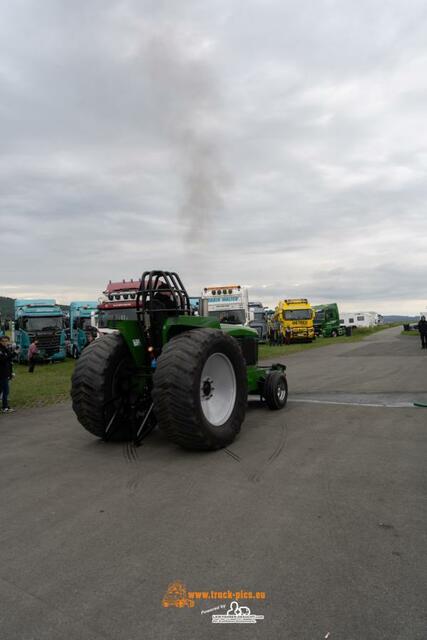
{"type": "Point", "coordinates": [296, 317]}
{"type": "Point", "coordinates": [258, 320]}
{"type": "Point", "coordinates": [195, 305]}
{"type": "Point", "coordinates": [80, 321]}
{"type": "Point", "coordinates": [327, 321]}
{"type": "Point", "coordinates": [229, 303]}
{"type": "Point", "coordinates": [41, 319]}
{"type": "Point", "coordinates": [118, 302]}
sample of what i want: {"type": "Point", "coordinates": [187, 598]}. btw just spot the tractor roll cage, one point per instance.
{"type": "Point", "coordinates": [166, 285]}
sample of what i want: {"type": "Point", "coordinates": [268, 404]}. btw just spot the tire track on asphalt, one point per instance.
{"type": "Point", "coordinates": [130, 452]}
{"type": "Point", "coordinates": [232, 455]}
{"type": "Point", "coordinates": [257, 475]}
{"type": "Point", "coordinates": [131, 456]}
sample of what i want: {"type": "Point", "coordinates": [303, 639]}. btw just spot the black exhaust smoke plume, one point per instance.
{"type": "Point", "coordinates": [187, 98]}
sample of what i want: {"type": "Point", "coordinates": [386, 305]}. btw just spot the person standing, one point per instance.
{"type": "Point", "coordinates": [32, 355]}
{"type": "Point", "coordinates": [91, 337]}
{"type": "Point", "coordinates": [6, 372]}
{"type": "Point", "coordinates": [270, 331]}
{"type": "Point", "coordinates": [422, 328]}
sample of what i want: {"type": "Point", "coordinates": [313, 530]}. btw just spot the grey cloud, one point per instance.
{"type": "Point", "coordinates": [261, 142]}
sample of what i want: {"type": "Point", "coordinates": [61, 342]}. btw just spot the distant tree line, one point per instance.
{"type": "Point", "coordinates": [7, 308]}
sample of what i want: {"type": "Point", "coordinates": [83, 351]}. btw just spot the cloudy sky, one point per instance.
{"type": "Point", "coordinates": [277, 144]}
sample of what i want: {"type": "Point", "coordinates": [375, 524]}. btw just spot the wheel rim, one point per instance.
{"type": "Point", "coordinates": [218, 389]}
{"type": "Point", "coordinates": [281, 390]}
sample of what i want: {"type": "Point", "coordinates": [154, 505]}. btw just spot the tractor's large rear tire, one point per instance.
{"type": "Point", "coordinates": [200, 389]}
{"type": "Point", "coordinates": [97, 387]}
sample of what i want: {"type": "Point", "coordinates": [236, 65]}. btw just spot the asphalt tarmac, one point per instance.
{"type": "Point", "coordinates": [321, 506]}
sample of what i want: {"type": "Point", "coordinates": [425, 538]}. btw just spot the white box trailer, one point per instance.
{"type": "Point", "coordinates": [360, 319]}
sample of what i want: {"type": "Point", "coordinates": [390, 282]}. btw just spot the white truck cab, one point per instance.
{"type": "Point", "coordinates": [228, 303]}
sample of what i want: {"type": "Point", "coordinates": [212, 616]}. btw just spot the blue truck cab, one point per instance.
{"type": "Point", "coordinates": [80, 325]}
{"type": "Point", "coordinates": [41, 319]}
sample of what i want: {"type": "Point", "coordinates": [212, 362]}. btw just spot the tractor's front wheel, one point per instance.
{"type": "Point", "coordinates": [100, 388]}
{"type": "Point", "coordinates": [276, 390]}
{"type": "Point", "coordinates": [200, 389]}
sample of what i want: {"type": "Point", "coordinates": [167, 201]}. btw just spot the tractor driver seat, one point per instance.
{"type": "Point", "coordinates": [164, 305]}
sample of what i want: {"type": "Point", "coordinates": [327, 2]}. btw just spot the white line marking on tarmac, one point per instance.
{"type": "Point", "coordinates": [397, 405]}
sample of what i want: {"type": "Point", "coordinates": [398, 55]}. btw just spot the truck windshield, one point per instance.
{"type": "Point", "coordinates": [112, 315]}
{"type": "Point", "coordinates": [297, 314]}
{"type": "Point", "coordinates": [259, 316]}
{"type": "Point", "coordinates": [320, 316]}
{"type": "Point", "coordinates": [235, 316]}
{"type": "Point", "coordinates": [54, 323]}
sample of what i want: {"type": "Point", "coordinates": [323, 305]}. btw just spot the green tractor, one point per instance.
{"type": "Point", "coordinates": [188, 374]}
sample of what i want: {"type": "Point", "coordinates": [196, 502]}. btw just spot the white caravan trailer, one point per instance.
{"type": "Point", "coordinates": [359, 319]}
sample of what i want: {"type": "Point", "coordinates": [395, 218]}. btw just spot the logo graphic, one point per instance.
{"type": "Point", "coordinates": [176, 596]}
{"type": "Point", "coordinates": [236, 615]}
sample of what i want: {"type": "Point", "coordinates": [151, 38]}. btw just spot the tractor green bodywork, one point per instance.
{"type": "Point", "coordinates": [126, 384]}
{"type": "Point", "coordinates": [247, 337]}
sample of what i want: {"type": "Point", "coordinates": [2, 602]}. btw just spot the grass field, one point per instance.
{"type": "Point", "coordinates": [50, 383]}
{"type": "Point", "coordinates": [412, 332]}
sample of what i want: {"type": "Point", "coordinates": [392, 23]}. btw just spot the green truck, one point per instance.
{"type": "Point", "coordinates": [327, 321]}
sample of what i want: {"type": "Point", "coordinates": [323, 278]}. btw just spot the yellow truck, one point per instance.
{"type": "Point", "coordinates": [296, 318]}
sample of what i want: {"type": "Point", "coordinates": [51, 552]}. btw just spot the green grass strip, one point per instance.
{"type": "Point", "coordinates": [49, 384]}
